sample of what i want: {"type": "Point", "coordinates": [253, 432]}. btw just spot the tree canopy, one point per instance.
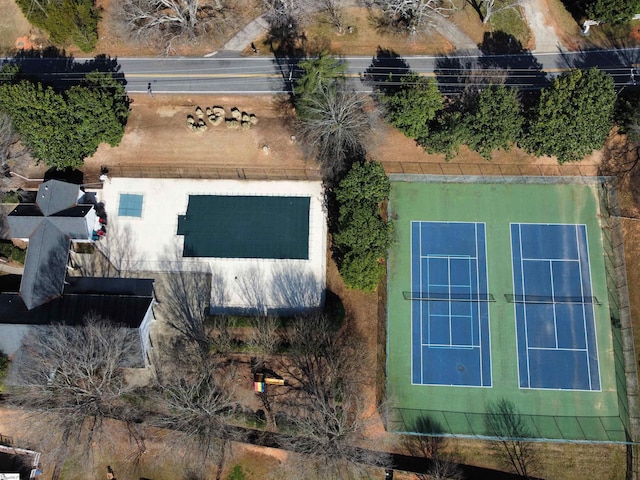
{"type": "Point", "coordinates": [363, 236]}
{"type": "Point", "coordinates": [495, 120]}
{"type": "Point", "coordinates": [65, 20]}
{"type": "Point", "coordinates": [612, 10]}
{"type": "Point", "coordinates": [318, 72]}
{"type": "Point", "coordinates": [574, 115]}
{"type": "Point", "coordinates": [412, 107]}
{"type": "Point", "coordinates": [332, 122]}
{"type": "Point", "coordinates": [62, 129]}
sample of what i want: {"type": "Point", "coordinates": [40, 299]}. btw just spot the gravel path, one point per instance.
{"type": "Point", "coordinates": [537, 15]}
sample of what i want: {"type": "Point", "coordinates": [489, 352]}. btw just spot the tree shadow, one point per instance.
{"type": "Point", "coordinates": [576, 8]}
{"type": "Point", "coordinates": [386, 71]}
{"type": "Point", "coordinates": [502, 51]}
{"type": "Point", "coordinates": [287, 43]}
{"type": "Point", "coordinates": [68, 175]}
{"type": "Point", "coordinates": [454, 73]}
{"type": "Point", "coordinates": [295, 289]}
{"type": "Point", "coordinates": [54, 67]}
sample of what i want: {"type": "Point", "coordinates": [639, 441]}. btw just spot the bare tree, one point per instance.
{"type": "Point", "coordinates": [198, 410]}
{"type": "Point", "coordinates": [264, 334]}
{"type": "Point", "coordinates": [333, 9]}
{"type": "Point", "coordinates": [10, 147]}
{"type": "Point", "coordinates": [334, 127]}
{"type": "Point", "coordinates": [197, 400]}
{"type": "Point", "coordinates": [164, 22]}
{"type": "Point", "coordinates": [487, 8]}
{"type": "Point", "coordinates": [414, 16]}
{"type": "Point", "coordinates": [70, 379]}
{"type": "Point", "coordinates": [433, 447]}
{"type": "Point", "coordinates": [287, 16]}
{"type": "Point", "coordinates": [325, 405]}
{"type": "Point", "coordinates": [512, 436]}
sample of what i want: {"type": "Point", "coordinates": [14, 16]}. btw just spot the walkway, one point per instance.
{"type": "Point", "coordinates": [449, 30]}
{"type": "Point", "coordinates": [259, 26]}
{"type": "Point", "coordinates": [537, 15]}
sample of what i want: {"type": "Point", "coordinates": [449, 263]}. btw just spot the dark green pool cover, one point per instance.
{"type": "Point", "coordinates": [229, 226]}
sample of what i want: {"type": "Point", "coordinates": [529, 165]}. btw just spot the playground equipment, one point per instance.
{"type": "Point", "coordinates": [260, 381]}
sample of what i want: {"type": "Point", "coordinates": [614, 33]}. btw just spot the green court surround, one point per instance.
{"type": "Point", "coordinates": [599, 416]}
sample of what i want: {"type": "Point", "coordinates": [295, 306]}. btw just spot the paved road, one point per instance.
{"type": "Point", "coordinates": [222, 73]}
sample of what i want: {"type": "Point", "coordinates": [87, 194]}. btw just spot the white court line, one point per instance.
{"type": "Point", "coordinates": [524, 309]}
{"type": "Point", "coordinates": [560, 349]}
{"type": "Point", "coordinates": [469, 286]}
{"type": "Point", "coordinates": [421, 304]}
{"type": "Point", "coordinates": [578, 229]}
{"type": "Point", "coordinates": [553, 305]}
{"type": "Point", "coordinates": [593, 313]}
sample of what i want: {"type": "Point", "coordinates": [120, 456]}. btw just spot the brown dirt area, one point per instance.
{"type": "Point", "coordinates": [13, 26]}
{"type": "Point", "coordinates": [158, 143]}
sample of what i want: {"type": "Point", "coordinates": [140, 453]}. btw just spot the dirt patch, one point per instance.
{"type": "Point", "coordinates": [14, 26]}
{"type": "Point", "coordinates": [158, 142]}
{"type": "Point", "coordinates": [631, 234]}
{"type": "Point", "coordinates": [560, 461]}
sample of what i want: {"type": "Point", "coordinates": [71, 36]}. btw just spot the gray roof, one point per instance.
{"type": "Point", "coordinates": [124, 301]}
{"type": "Point", "coordinates": [50, 224]}
{"type": "Point", "coordinates": [45, 266]}
{"type": "Point", "coordinates": [54, 196]}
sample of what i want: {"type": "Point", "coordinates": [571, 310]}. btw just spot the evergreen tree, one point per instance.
{"type": "Point", "coordinates": [574, 115]}
{"type": "Point", "coordinates": [414, 105]}
{"type": "Point", "coordinates": [495, 120]}
{"type": "Point", "coordinates": [363, 236]}
{"type": "Point", "coordinates": [62, 129]}
{"type": "Point", "coordinates": [65, 20]}
{"type": "Point", "coordinates": [612, 10]}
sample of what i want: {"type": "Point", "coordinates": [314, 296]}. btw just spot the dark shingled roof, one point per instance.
{"type": "Point", "coordinates": [122, 300]}
{"type": "Point", "coordinates": [54, 196]}
{"type": "Point", "coordinates": [50, 224]}
{"type": "Point", "coordinates": [45, 266]}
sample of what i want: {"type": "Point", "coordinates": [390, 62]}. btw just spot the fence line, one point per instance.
{"type": "Point", "coordinates": [274, 172]}
{"type": "Point", "coordinates": [207, 172]}
{"type": "Point", "coordinates": [489, 169]}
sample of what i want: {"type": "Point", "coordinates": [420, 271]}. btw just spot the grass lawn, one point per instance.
{"type": "Point", "coordinates": [509, 21]}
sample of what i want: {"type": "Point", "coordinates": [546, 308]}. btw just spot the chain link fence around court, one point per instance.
{"type": "Point", "coordinates": [489, 169]}
{"type": "Point", "coordinates": [537, 427]}
{"type": "Point", "coordinates": [619, 308]}
{"type": "Point", "coordinates": [623, 428]}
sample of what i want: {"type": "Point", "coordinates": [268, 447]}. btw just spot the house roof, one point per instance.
{"type": "Point", "coordinates": [45, 265]}
{"type": "Point", "coordinates": [123, 301]}
{"type": "Point", "coordinates": [55, 196]}
{"type": "Point", "coordinates": [50, 224]}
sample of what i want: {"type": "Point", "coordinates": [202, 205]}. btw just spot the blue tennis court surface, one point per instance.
{"type": "Point", "coordinates": [554, 307]}
{"type": "Point", "coordinates": [449, 317]}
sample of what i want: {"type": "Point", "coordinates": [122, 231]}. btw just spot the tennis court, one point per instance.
{"type": "Point", "coordinates": [450, 326]}
{"type": "Point", "coordinates": [499, 290]}
{"type": "Point", "coordinates": [554, 307]}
